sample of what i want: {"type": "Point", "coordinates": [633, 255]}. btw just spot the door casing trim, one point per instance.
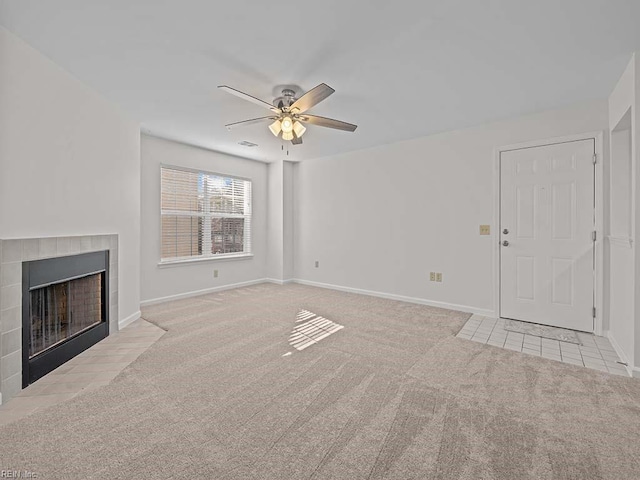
{"type": "Point", "coordinates": [598, 137]}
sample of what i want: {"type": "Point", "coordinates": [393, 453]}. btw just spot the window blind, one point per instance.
{"type": "Point", "coordinates": [203, 214]}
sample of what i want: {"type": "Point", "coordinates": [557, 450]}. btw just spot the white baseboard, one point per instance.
{"type": "Point", "coordinates": [129, 320]}
{"type": "Point", "coordinates": [623, 357]}
{"type": "Point", "coordinates": [195, 293]}
{"type": "Point", "coordinates": [390, 296]}
{"type": "Point", "coordinates": [402, 298]}
{"type": "Point", "coordinates": [279, 282]}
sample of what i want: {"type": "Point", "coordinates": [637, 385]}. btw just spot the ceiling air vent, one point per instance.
{"type": "Point", "coordinates": [244, 143]}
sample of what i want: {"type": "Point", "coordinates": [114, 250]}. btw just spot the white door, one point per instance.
{"type": "Point", "coordinates": [547, 196]}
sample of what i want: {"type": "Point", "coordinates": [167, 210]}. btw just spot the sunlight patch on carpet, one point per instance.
{"type": "Point", "coordinates": [310, 329]}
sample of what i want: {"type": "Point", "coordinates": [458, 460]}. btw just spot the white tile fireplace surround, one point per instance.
{"type": "Point", "coordinates": [12, 253]}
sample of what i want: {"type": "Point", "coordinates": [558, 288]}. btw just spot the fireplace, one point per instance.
{"type": "Point", "coordinates": [64, 310]}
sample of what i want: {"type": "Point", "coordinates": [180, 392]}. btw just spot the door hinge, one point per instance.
{"type": "Point", "coordinates": [595, 158]}
{"type": "Point", "coordinates": [593, 311]}
{"type": "Point", "coordinates": [593, 235]}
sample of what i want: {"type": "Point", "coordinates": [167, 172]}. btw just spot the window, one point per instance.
{"type": "Point", "coordinates": [204, 215]}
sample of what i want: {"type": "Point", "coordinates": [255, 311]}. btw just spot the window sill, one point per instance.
{"type": "Point", "coordinates": [187, 261]}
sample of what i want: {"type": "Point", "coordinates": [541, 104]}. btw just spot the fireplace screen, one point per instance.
{"type": "Point", "coordinates": [63, 310]}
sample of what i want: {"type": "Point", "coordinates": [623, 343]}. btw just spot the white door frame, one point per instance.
{"type": "Point", "coordinates": [599, 213]}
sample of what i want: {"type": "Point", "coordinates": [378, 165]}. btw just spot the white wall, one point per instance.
{"type": "Point", "coordinates": [69, 161]}
{"type": "Point", "coordinates": [288, 201]}
{"type": "Point", "coordinates": [176, 280]}
{"type": "Point", "coordinates": [381, 219]}
{"type": "Point", "coordinates": [280, 221]}
{"type": "Point", "coordinates": [275, 221]}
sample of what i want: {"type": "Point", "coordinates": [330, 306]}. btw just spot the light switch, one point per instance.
{"type": "Point", "coordinates": [485, 229]}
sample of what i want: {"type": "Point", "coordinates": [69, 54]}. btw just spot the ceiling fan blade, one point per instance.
{"type": "Point", "coordinates": [312, 97]}
{"type": "Point", "coordinates": [249, 98]}
{"type": "Point", "coordinates": [328, 122]}
{"type": "Point", "coordinates": [296, 140]}
{"type": "Point", "coordinates": [248, 122]}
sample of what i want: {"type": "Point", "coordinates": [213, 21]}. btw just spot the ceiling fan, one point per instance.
{"type": "Point", "coordinates": [289, 112]}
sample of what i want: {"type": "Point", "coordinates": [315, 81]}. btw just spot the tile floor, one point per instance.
{"type": "Point", "coordinates": [595, 352]}
{"type": "Point", "coordinates": [92, 369]}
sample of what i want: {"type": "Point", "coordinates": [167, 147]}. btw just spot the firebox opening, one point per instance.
{"type": "Point", "coordinates": [65, 310]}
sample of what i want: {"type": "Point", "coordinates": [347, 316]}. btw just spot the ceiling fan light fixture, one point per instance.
{"type": "Point", "coordinates": [287, 135]}
{"type": "Point", "coordinates": [275, 127]}
{"type": "Point", "coordinates": [299, 129]}
{"type": "Point", "coordinates": [287, 125]}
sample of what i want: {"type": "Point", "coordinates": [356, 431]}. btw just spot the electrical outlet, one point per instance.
{"type": "Point", "coordinates": [432, 276]}
{"type": "Point", "coordinates": [438, 277]}
{"type": "Point", "coordinates": [215, 274]}
{"type": "Point", "coordinates": [485, 230]}
{"type": "Point", "coordinates": [317, 263]}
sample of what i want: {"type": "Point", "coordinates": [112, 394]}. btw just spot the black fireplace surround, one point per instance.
{"type": "Point", "coordinates": [65, 310]}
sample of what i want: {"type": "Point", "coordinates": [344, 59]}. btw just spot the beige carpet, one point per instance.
{"type": "Point", "coordinates": [391, 395]}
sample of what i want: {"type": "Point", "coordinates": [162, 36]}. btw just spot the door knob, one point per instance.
{"type": "Point", "coordinates": [505, 243]}
{"type": "Point", "coordinates": [505, 231]}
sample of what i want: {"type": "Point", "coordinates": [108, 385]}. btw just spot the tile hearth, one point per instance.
{"type": "Point", "coordinates": [93, 368]}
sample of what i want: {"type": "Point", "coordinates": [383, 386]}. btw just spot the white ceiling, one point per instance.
{"type": "Point", "coordinates": [401, 69]}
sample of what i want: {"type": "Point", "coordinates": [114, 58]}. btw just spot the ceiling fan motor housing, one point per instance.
{"type": "Point", "coordinates": [286, 100]}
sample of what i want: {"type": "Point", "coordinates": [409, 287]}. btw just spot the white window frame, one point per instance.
{"type": "Point", "coordinates": [207, 216]}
